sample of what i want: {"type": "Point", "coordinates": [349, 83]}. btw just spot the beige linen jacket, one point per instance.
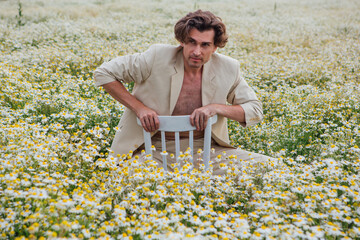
{"type": "Point", "coordinates": [158, 74]}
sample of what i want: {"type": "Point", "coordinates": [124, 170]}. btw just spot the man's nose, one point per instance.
{"type": "Point", "coordinates": [197, 50]}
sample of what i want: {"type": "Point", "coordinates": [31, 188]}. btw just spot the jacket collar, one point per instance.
{"type": "Point", "coordinates": [207, 85]}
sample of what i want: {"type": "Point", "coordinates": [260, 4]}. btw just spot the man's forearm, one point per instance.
{"type": "Point", "coordinates": [117, 90]}
{"type": "Point", "coordinates": [234, 112]}
{"type": "Point", "coordinates": [148, 117]}
{"type": "Point", "coordinates": [200, 115]}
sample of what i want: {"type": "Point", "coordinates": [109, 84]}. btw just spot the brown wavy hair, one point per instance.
{"type": "Point", "coordinates": [202, 21]}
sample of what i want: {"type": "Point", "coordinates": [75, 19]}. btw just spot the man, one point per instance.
{"type": "Point", "coordinates": [190, 79]}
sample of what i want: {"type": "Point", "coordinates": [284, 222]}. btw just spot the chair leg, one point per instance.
{"type": "Point", "coordinates": [177, 145]}
{"type": "Point", "coordinates": [191, 145]}
{"type": "Point", "coordinates": [163, 148]}
{"type": "Point", "coordinates": [147, 138]}
{"type": "Point", "coordinates": [207, 144]}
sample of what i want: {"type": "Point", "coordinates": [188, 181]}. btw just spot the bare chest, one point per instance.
{"type": "Point", "coordinates": [189, 98]}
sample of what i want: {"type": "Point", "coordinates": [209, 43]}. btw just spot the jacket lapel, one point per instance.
{"type": "Point", "coordinates": [176, 81]}
{"type": "Point", "coordinates": [208, 86]}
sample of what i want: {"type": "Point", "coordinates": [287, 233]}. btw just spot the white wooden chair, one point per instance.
{"type": "Point", "coordinates": [179, 124]}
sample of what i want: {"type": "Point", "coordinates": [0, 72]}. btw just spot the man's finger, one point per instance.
{"type": "Point", "coordinates": [157, 123]}
{"type": "Point", "coordinates": [152, 123]}
{"type": "Point", "coordinates": [192, 119]}
{"type": "Point", "coordinates": [201, 122]}
{"type": "Point", "coordinates": [205, 122]}
{"type": "Point", "coordinates": [197, 123]}
{"type": "Point", "coordinates": [146, 124]}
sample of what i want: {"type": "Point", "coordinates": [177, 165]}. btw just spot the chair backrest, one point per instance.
{"type": "Point", "coordinates": [179, 124]}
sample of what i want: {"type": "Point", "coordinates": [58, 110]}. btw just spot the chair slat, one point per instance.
{"type": "Point", "coordinates": [175, 123]}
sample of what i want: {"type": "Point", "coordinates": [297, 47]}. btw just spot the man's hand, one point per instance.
{"type": "Point", "coordinates": [148, 118]}
{"type": "Point", "coordinates": [200, 116]}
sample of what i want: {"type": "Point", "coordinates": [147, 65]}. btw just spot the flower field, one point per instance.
{"type": "Point", "coordinates": [57, 180]}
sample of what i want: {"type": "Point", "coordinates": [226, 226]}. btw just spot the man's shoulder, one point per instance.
{"type": "Point", "coordinates": [163, 52]}
{"type": "Point", "coordinates": [166, 48]}
{"type": "Point", "coordinates": [225, 64]}
{"type": "Point", "coordinates": [223, 59]}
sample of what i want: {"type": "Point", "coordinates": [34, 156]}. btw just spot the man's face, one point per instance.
{"type": "Point", "coordinates": [198, 48]}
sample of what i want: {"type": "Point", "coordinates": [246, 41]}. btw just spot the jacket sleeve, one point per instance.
{"type": "Point", "coordinates": [129, 68]}
{"type": "Point", "coordinates": [242, 94]}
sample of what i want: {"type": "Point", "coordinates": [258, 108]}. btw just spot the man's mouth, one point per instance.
{"type": "Point", "coordinates": [195, 59]}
